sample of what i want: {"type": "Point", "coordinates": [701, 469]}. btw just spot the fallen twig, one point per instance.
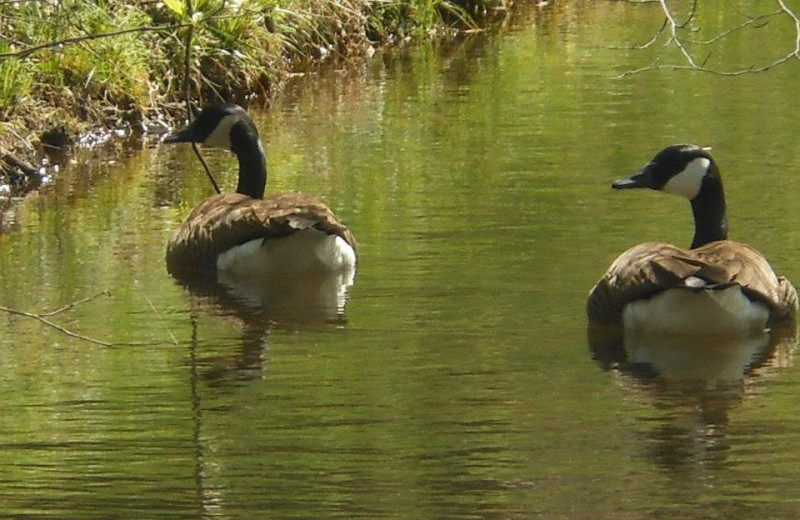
{"type": "Point", "coordinates": [56, 326]}
{"type": "Point", "coordinates": [22, 166]}
{"type": "Point", "coordinates": [75, 304]}
{"type": "Point", "coordinates": [42, 317]}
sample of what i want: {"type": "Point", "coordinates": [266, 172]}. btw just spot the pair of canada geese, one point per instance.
{"type": "Point", "coordinates": [716, 287]}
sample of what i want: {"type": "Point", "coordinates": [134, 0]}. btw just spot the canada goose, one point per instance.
{"type": "Point", "coordinates": [716, 287]}
{"type": "Point", "coordinates": [243, 234]}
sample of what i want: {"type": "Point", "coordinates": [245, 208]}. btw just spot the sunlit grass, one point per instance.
{"type": "Point", "coordinates": [114, 70]}
{"type": "Point", "coordinates": [15, 80]}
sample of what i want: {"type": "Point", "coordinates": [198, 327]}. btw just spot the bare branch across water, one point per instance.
{"type": "Point", "coordinates": [43, 317]}
{"type": "Point", "coordinates": [693, 53]}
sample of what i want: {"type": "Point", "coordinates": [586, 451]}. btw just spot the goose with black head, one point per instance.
{"type": "Point", "coordinates": [716, 287]}
{"type": "Point", "coordinates": [244, 234]}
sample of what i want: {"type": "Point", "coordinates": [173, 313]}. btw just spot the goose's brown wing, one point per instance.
{"type": "Point", "coordinates": [223, 221]}
{"type": "Point", "coordinates": [647, 269]}
{"type": "Point", "coordinates": [748, 268]}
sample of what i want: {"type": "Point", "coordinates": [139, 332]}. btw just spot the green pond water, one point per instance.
{"type": "Point", "coordinates": [458, 380]}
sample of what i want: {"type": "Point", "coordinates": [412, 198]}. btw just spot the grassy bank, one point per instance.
{"type": "Point", "coordinates": [72, 65]}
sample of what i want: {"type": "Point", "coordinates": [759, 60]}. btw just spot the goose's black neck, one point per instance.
{"type": "Point", "coordinates": [708, 207]}
{"type": "Point", "coordinates": [246, 144]}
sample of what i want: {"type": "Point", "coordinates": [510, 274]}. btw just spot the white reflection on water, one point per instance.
{"type": "Point", "coordinates": [679, 358]}
{"type": "Point", "coordinates": [691, 385]}
{"type": "Point", "coordinates": [296, 300]}
{"type": "Point", "coordinates": [261, 305]}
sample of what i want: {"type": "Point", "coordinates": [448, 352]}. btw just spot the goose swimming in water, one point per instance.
{"type": "Point", "coordinates": [715, 287]}
{"type": "Point", "coordinates": [244, 234]}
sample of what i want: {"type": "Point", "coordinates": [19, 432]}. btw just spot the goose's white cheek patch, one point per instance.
{"type": "Point", "coordinates": [221, 136]}
{"type": "Point", "coordinates": [688, 182]}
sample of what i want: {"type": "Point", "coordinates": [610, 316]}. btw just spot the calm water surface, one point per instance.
{"type": "Point", "coordinates": [458, 381]}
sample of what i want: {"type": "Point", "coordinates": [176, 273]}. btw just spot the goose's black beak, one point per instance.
{"type": "Point", "coordinates": [181, 136]}
{"type": "Point", "coordinates": [192, 133]}
{"type": "Point", "coordinates": [641, 179]}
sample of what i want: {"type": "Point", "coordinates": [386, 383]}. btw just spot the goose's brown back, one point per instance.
{"type": "Point", "coordinates": [223, 221]}
{"type": "Point", "coordinates": [650, 268]}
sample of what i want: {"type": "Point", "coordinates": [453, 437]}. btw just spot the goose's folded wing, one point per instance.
{"type": "Point", "coordinates": [647, 269]}
{"type": "Point", "coordinates": [224, 221]}
{"type": "Point", "coordinates": [638, 273]}
{"type": "Point", "coordinates": [748, 268]}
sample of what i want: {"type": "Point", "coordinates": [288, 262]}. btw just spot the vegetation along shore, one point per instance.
{"type": "Point", "coordinates": [71, 66]}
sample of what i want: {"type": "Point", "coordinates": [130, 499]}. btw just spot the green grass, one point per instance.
{"type": "Point", "coordinates": [115, 70]}
{"type": "Point", "coordinates": [15, 81]}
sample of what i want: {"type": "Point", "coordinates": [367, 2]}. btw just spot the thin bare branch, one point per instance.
{"type": "Point", "coordinates": [649, 43]}
{"type": "Point", "coordinates": [55, 326]}
{"type": "Point", "coordinates": [677, 39]}
{"type": "Point", "coordinates": [74, 304]}
{"type": "Point", "coordinates": [754, 22]}
{"type": "Point", "coordinates": [43, 318]}
{"type": "Point", "coordinates": [158, 315]}
{"type": "Point", "coordinates": [674, 26]}
{"type": "Point", "coordinates": [733, 7]}
{"type": "Point", "coordinates": [652, 66]}
{"type": "Point", "coordinates": [796, 20]}
{"type": "Point", "coordinates": [187, 70]}
{"type": "Point", "coordinates": [695, 68]}
{"type": "Point", "coordinates": [689, 17]}
{"type": "Point", "coordinates": [24, 53]}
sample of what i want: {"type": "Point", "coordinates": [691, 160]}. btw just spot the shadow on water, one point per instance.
{"type": "Point", "coordinates": [693, 383]}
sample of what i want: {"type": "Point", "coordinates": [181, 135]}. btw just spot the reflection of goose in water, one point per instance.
{"type": "Point", "coordinates": [685, 358]}
{"type": "Point", "coordinates": [258, 307]}
{"type": "Point", "coordinates": [691, 383]}
{"type": "Point", "coordinates": [275, 300]}
{"type": "Point", "coordinates": [309, 298]}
